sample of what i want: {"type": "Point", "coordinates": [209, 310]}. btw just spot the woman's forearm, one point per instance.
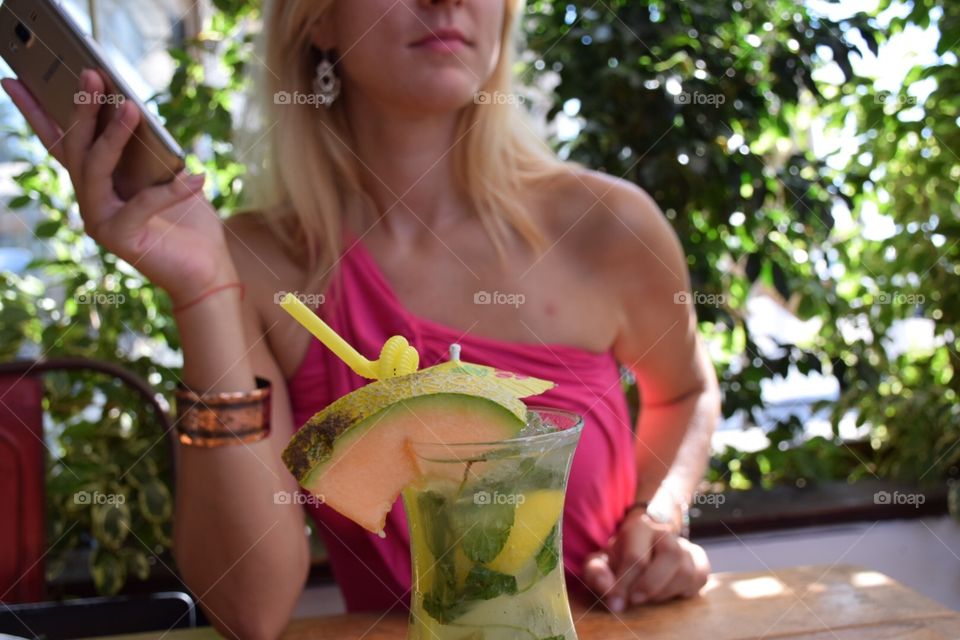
{"type": "Point", "coordinates": [673, 443]}
{"type": "Point", "coordinates": [693, 455]}
{"type": "Point", "coordinates": [243, 554]}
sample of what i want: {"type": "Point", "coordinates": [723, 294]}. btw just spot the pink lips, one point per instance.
{"type": "Point", "coordinates": [443, 41]}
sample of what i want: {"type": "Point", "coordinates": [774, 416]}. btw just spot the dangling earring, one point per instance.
{"type": "Point", "coordinates": [326, 84]}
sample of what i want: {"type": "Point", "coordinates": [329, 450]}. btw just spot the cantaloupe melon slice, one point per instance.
{"type": "Point", "coordinates": [355, 454]}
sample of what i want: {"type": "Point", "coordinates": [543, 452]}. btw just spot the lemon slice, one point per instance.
{"type": "Point", "coordinates": [534, 519]}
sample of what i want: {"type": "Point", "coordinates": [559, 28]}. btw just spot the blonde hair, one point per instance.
{"type": "Point", "coordinates": [308, 179]}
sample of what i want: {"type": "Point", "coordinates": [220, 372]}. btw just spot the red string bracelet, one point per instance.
{"type": "Point", "coordinates": [206, 294]}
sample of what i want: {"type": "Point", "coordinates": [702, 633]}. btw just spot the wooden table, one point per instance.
{"type": "Point", "coordinates": [810, 603]}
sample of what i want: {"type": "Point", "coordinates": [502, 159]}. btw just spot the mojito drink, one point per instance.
{"type": "Point", "coordinates": [482, 478]}
{"type": "Point", "coordinates": [485, 535]}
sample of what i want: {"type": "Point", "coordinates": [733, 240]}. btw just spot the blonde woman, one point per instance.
{"type": "Point", "coordinates": [396, 202]}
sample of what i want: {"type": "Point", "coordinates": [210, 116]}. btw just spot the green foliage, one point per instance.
{"type": "Point", "coordinates": [908, 168]}
{"type": "Point", "coordinates": [197, 112]}
{"type": "Point", "coordinates": [107, 486]}
{"type": "Point", "coordinates": [697, 102]}
{"type": "Point", "coordinates": [790, 460]}
{"type": "Point", "coordinates": [706, 105]}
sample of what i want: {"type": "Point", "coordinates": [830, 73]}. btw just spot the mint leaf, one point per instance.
{"type": "Point", "coordinates": [481, 522]}
{"type": "Point", "coordinates": [484, 584]}
{"type": "Point", "coordinates": [443, 605]}
{"type": "Point", "coordinates": [548, 555]}
{"type": "Point", "coordinates": [434, 520]}
{"type": "Point", "coordinates": [433, 516]}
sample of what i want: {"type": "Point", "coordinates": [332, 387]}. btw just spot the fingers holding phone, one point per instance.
{"type": "Point", "coordinates": [169, 232]}
{"type": "Point", "coordinates": [89, 159]}
{"type": "Point", "coordinates": [82, 128]}
{"type": "Point", "coordinates": [47, 130]}
{"type": "Point", "coordinates": [52, 75]}
{"type": "Point", "coordinates": [92, 158]}
{"type": "Point", "coordinates": [126, 169]}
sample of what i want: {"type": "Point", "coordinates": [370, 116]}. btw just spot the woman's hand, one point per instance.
{"type": "Point", "coordinates": [646, 562]}
{"type": "Point", "coordinates": [170, 233]}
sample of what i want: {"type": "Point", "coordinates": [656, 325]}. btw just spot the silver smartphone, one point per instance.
{"type": "Point", "coordinates": [47, 50]}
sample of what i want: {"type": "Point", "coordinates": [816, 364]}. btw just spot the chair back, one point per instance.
{"type": "Point", "coordinates": [22, 535]}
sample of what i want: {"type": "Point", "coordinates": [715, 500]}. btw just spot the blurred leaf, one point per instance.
{"type": "Point", "coordinates": [111, 521]}
{"type": "Point", "coordinates": [156, 503]}
{"type": "Point", "coordinates": [109, 572]}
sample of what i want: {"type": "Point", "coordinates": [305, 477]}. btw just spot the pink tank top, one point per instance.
{"type": "Point", "coordinates": [374, 573]}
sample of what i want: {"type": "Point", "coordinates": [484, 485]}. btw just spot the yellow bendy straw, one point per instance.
{"type": "Point", "coordinates": [397, 357]}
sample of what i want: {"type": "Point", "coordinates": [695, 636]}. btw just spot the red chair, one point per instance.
{"type": "Point", "coordinates": [22, 533]}
{"type": "Point", "coordinates": [22, 467]}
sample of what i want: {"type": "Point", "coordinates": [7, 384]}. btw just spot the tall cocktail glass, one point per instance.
{"type": "Point", "coordinates": [485, 535]}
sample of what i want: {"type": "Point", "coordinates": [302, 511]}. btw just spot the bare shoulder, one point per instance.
{"type": "Point", "coordinates": [623, 240]}
{"type": "Point", "coordinates": [615, 225]}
